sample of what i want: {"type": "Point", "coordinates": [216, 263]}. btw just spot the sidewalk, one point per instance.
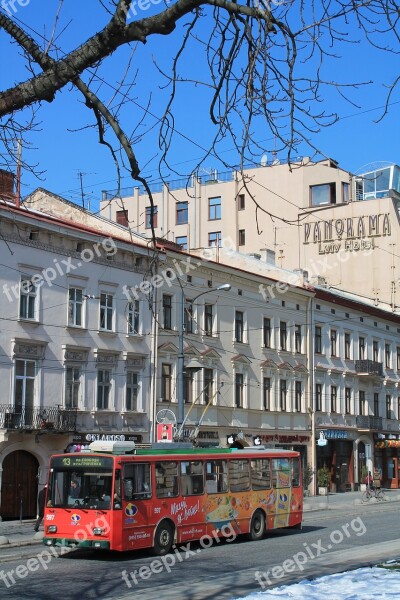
{"type": "Point", "coordinates": [21, 533]}
{"type": "Point", "coordinates": [342, 500]}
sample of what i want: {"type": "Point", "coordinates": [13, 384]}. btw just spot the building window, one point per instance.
{"type": "Point", "coordinates": [166, 381]}
{"type": "Point", "coordinates": [333, 342]}
{"type": "Point", "coordinates": [398, 358]}
{"type": "Point", "coordinates": [188, 317]}
{"type": "Point", "coordinates": [297, 396]}
{"type": "Point", "coordinates": [241, 202]}
{"type": "Point", "coordinates": [182, 241]}
{"type": "Point", "coordinates": [347, 400]}
{"type": "Point", "coordinates": [267, 333]}
{"type": "Point", "coordinates": [282, 395]}
{"type": "Point", "coordinates": [376, 404]}
{"type": "Point", "coordinates": [387, 356]}
{"type": "Point", "coordinates": [345, 192]}
{"type": "Point", "coordinates": [347, 345]}
{"type": "Point", "coordinates": [25, 375]}
{"type": "Point", "coordinates": [318, 397]}
{"type": "Point", "coordinates": [214, 208]}
{"type": "Point", "coordinates": [208, 319]}
{"type": "Point", "coordinates": [361, 348]}
{"type": "Point", "coordinates": [214, 239]}
{"type": "Point", "coordinates": [388, 406]}
{"type": "Point", "coordinates": [133, 317]}
{"type": "Point", "coordinates": [398, 407]}
{"type": "Point", "coordinates": [323, 194]}
{"type": "Point", "coordinates": [188, 386]}
{"type": "Point", "coordinates": [318, 339]}
{"type": "Point", "coordinates": [27, 299]}
{"type": "Point", "coordinates": [75, 304]}
{"type": "Point", "coordinates": [121, 216]}
{"type": "Point", "coordinates": [106, 312]}
{"type": "Point", "coordinates": [103, 389]}
{"type": "Point", "coordinates": [283, 335]}
{"type": "Point", "coordinates": [239, 326]}
{"type": "Point", "coordinates": [361, 402]}
{"type": "Point", "coordinates": [73, 387]}
{"type": "Point", "coordinates": [267, 393]}
{"type": "Point", "coordinates": [239, 390]}
{"type": "Point", "coordinates": [132, 390]}
{"type": "Point", "coordinates": [297, 338]}
{"type": "Point", "coordinates": [333, 398]}
{"type": "Point", "coordinates": [167, 311]}
{"type": "Point", "coordinates": [208, 385]}
{"type": "Point", "coordinates": [181, 213]}
{"type": "Point", "coordinates": [149, 219]}
{"type": "Point", "coordinates": [375, 351]}
{"type": "Point", "coordinates": [242, 237]}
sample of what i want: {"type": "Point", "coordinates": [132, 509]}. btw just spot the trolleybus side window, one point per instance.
{"type": "Point", "coordinates": [295, 472]}
{"type": "Point", "coordinates": [137, 482]}
{"type": "Point", "coordinates": [281, 472]}
{"type": "Point", "coordinates": [261, 473]}
{"type": "Point", "coordinates": [166, 479]}
{"type": "Point", "coordinates": [216, 476]}
{"type": "Point", "coordinates": [192, 478]}
{"type": "Point", "coordinates": [239, 475]}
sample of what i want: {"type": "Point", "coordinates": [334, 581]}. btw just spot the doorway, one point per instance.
{"type": "Point", "coordinates": [392, 470]}
{"type": "Point", "coordinates": [19, 486]}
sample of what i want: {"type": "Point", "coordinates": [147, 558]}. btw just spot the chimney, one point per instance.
{"type": "Point", "coordinates": [7, 185]}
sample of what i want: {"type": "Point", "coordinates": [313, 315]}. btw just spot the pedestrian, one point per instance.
{"type": "Point", "coordinates": [41, 504]}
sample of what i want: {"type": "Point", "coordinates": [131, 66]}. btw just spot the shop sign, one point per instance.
{"type": "Point", "coordinates": [83, 438]}
{"type": "Point", "coordinates": [285, 439]}
{"type": "Point", "coordinates": [205, 435]}
{"type": "Point", "coordinates": [322, 441]}
{"type": "Point", "coordinates": [335, 434]}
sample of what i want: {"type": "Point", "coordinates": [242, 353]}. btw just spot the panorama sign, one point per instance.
{"type": "Point", "coordinates": [350, 234]}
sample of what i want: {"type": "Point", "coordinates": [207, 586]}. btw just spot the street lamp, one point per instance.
{"type": "Point", "coordinates": [225, 287]}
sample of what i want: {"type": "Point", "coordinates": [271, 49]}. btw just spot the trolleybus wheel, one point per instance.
{"type": "Point", "coordinates": [163, 539]}
{"type": "Point", "coordinates": [257, 526]}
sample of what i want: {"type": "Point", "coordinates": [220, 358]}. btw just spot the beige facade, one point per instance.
{"type": "Point", "coordinates": [340, 230]}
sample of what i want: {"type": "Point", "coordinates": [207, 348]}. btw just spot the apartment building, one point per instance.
{"type": "Point", "coordinates": [355, 383]}
{"type": "Point", "coordinates": [76, 355]}
{"type": "Point", "coordinates": [340, 229]}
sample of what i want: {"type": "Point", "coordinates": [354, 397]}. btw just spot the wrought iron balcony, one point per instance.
{"type": "Point", "coordinates": [49, 418]}
{"type": "Point", "coordinates": [369, 422]}
{"type": "Point", "coordinates": [369, 367]}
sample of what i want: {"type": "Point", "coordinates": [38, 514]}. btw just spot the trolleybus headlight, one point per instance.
{"type": "Point", "coordinates": [98, 531]}
{"type": "Point", "coordinates": [52, 529]}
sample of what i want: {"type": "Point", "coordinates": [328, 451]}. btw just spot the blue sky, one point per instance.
{"type": "Point", "coordinates": [64, 147]}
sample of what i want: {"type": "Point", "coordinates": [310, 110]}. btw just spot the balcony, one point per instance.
{"type": "Point", "coordinates": [51, 418]}
{"type": "Point", "coordinates": [369, 422]}
{"type": "Point", "coordinates": [369, 367]}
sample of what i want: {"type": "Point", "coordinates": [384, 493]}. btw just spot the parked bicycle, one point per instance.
{"type": "Point", "coordinates": [373, 492]}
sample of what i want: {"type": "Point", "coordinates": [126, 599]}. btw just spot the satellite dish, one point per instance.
{"type": "Point", "coordinates": [264, 160]}
{"type": "Point", "coordinates": [165, 416]}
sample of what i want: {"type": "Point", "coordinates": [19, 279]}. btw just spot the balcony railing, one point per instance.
{"type": "Point", "coordinates": [369, 367]}
{"type": "Point", "coordinates": [50, 418]}
{"type": "Point", "coordinates": [369, 422]}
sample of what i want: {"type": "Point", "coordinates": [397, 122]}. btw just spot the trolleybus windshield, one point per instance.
{"type": "Point", "coordinates": [81, 481]}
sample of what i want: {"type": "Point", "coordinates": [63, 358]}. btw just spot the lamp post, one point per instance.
{"type": "Point", "coordinates": [181, 320]}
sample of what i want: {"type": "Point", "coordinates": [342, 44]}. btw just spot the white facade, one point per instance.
{"type": "Point", "coordinates": [76, 360]}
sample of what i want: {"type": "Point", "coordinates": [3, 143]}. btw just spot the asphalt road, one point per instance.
{"type": "Point", "coordinates": [329, 542]}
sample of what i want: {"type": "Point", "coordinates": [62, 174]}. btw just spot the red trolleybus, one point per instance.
{"type": "Point", "coordinates": [120, 498]}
